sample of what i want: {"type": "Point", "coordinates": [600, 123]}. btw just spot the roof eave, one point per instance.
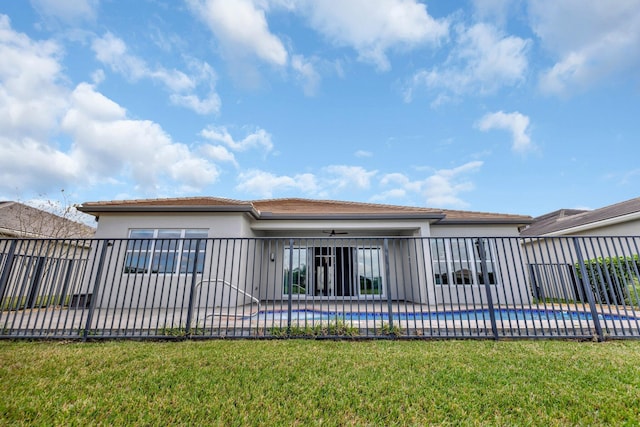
{"type": "Point", "coordinates": [97, 210]}
{"type": "Point", "coordinates": [498, 221]}
{"type": "Point", "coordinates": [593, 225]}
{"type": "Point", "coordinates": [352, 216]}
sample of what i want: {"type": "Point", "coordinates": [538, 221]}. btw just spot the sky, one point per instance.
{"type": "Point", "coordinates": [510, 106]}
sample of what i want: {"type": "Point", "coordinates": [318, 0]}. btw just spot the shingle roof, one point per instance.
{"type": "Point", "coordinates": [566, 219]}
{"type": "Point", "coordinates": [20, 220]}
{"type": "Point", "coordinates": [178, 201]}
{"type": "Point", "coordinates": [297, 207]}
{"type": "Point", "coordinates": [309, 206]}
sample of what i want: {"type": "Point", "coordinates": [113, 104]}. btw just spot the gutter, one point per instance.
{"type": "Point", "coordinates": [159, 208]}
{"type": "Point", "coordinates": [257, 214]}
{"type": "Point", "coordinates": [506, 221]}
{"type": "Point", "coordinates": [347, 216]}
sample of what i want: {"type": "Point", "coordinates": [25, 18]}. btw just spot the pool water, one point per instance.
{"type": "Point", "coordinates": [473, 315]}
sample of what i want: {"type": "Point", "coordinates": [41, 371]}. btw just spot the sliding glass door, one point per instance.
{"type": "Point", "coordinates": [334, 271]}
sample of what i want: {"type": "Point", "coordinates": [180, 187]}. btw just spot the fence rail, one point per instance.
{"type": "Point", "coordinates": [364, 287]}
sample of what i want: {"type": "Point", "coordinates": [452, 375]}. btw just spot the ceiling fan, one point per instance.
{"type": "Point", "coordinates": [334, 232]}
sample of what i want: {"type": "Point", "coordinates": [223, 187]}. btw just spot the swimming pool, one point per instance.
{"type": "Point", "coordinates": [468, 315]}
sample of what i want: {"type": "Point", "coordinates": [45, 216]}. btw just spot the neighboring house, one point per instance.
{"type": "Point", "coordinates": [610, 232]}
{"type": "Point", "coordinates": [270, 249]}
{"type": "Point", "coordinates": [620, 219]}
{"type": "Point", "coordinates": [20, 220]}
{"type": "Point", "coordinates": [41, 259]}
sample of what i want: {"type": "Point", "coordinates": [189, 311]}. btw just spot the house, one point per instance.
{"type": "Point", "coordinates": [620, 219]}
{"type": "Point", "coordinates": [42, 255]}
{"type": "Point", "coordinates": [20, 220]}
{"type": "Point", "coordinates": [294, 217]}
{"type": "Point", "coordinates": [271, 250]}
{"type": "Point", "coordinates": [610, 233]}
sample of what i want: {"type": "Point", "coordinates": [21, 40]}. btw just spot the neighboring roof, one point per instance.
{"type": "Point", "coordinates": [296, 208]}
{"type": "Point", "coordinates": [565, 221]}
{"type": "Point", "coordinates": [20, 220]}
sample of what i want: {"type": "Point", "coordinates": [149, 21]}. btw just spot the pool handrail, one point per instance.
{"type": "Point", "coordinates": [224, 282]}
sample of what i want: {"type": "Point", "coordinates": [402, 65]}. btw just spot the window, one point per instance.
{"type": "Point", "coordinates": [299, 270]}
{"type": "Point", "coordinates": [369, 271]}
{"type": "Point", "coordinates": [463, 261]}
{"type": "Point", "coordinates": [165, 251]}
{"type": "Point", "coordinates": [333, 271]}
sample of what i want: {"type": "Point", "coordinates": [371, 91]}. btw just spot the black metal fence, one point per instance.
{"type": "Point", "coordinates": [374, 287]}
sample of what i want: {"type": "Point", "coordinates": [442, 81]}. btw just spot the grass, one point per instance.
{"type": "Point", "coordinates": [335, 328]}
{"type": "Point", "coordinates": [309, 382]}
{"type": "Point", "coordinates": [19, 303]}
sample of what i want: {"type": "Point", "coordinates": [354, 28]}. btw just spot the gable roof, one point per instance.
{"type": "Point", "coordinates": [298, 208]}
{"type": "Point", "coordinates": [20, 220]}
{"type": "Point", "coordinates": [564, 221]}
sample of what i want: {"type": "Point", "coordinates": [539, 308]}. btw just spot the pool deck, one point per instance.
{"type": "Point", "coordinates": [244, 321]}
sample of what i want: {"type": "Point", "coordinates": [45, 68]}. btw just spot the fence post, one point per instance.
{"type": "Point", "coordinates": [8, 266]}
{"type": "Point", "coordinates": [194, 278]}
{"type": "Point", "coordinates": [487, 286]}
{"type": "Point", "coordinates": [588, 290]}
{"type": "Point", "coordinates": [387, 279]}
{"type": "Point", "coordinates": [96, 286]}
{"type": "Point", "coordinates": [290, 288]}
{"type": "Point", "coordinates": [34, 285]}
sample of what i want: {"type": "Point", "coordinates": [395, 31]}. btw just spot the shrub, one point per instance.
{"type": "Point", "coordinates": [613, 280]}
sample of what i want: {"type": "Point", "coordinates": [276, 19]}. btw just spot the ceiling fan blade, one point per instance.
{"type": "Point", "coordinates": [334, 232]}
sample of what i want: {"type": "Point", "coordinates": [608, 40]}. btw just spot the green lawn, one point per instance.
{"type": "Point", "coordinates": [307, 382]}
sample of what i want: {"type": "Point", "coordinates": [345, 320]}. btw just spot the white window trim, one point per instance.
{"type": "Point", "coordinates": [310, 271]}
{"type": "Point", "coordinates": [178, 250]}
{"type": "Point", "coordinates": [472, 262]}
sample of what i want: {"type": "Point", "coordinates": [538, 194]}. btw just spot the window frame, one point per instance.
{"type": "Point", "coordinates": [305, 278]}
{"type": "Point", "coordinates": [370, 267]}
{"type": "Point", "coordinates": [164, 253]}
{"type": "Point", "coordinates": [462, 262]}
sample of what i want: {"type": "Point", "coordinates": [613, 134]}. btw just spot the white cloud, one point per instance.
{"type": "Point", "coordinates": [332, 180]}
{"type": "Point", "coordinates": [218, 153]}
{"type": "Point", "coordinates": [107, 143]}
{"type": "Point", "coordinates": [265, 184]}
{"type": "Point", "coordinates": [52, 137]}
{"type": "Point", "coordinates": [363, 153]}
{"type": "Point", "coordinates": [112, 51]}
{"type": "Point", "coordinates": [516, 123]}
{"type": "Point", "coordinates": [26, 163]}
{"type": "Point", "coordinates": [259, 138]}
{"type": "Point", "coordinates": [69, 11]}
{"type": "Point", "coordinates": [210, 104]}
{"type": "Point", "coordinates": [342, 176]}
{"type": "Point", "coordinates": [591, 39]}
{"type": "Point", "coordinates": [97, 76]}
{"type": "Point", "coordinates": [306, 73]}
{"type": "Point", "coordinates": [441, 189]}
{"type": "Point", "coordinates": [401, 180]}
{"type": "Point", "coordinates": [483, 61]}
{"type": "Point", "coordinates": [396, 193]}
{"type": "Point", "coordinates": [492, 10]}
{"type": "Point", "coordinates": [372, 27]}
{"type": "Point", "coordinates": [32, 101]}
{"type": "Point", "coordinates": [31, 96]}
{"type": "Point", "coordinates": [241, 28]}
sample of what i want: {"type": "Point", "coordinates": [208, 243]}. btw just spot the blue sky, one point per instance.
{"type": "Point", "coordinates": [504, 106]}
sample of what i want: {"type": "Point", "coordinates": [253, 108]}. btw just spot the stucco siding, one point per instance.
{"type": "Point", "coordinates": [629, 228]}
{"type": "Point", "coordinates": [218, 225]}
{"type": "Point", "coordinates": [475, 230]}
